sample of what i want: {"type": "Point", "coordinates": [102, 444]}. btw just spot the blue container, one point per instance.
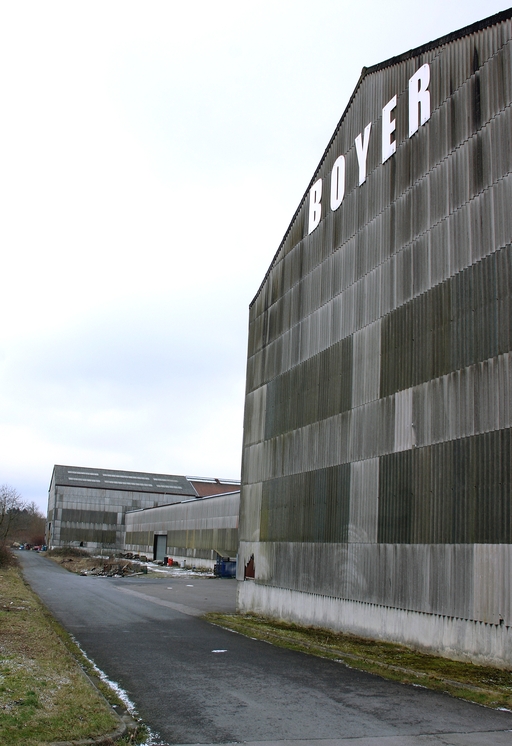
{"type": "Point", "coordinates": [225, 569]}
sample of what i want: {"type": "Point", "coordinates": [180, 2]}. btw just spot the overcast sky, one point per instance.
{"type": "Point", "coordinates": [152, 156]}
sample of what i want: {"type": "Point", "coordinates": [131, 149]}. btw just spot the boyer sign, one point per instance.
{"type": "Point", "coordinates": [419, 113]}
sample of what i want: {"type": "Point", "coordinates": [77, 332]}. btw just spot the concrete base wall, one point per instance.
{"type": "Point", "coordinates": [197, 562]}
{"type": "Point", "coordinates": [459, 639]}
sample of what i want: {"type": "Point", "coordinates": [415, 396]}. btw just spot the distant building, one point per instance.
{"type": "Point", "coordinates": [192, 532]}
{"type": "Point", "coordinates": [207, 486]}
{"type": "Point", "coordinates": [87, 506]}
{"type": "Point", "coordinates": [377, 470]}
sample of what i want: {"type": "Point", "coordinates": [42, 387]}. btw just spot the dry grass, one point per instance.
{"type": "Point", "coordinates": [80, 564]}
{"type": "Point", "coordinates": [44, 695]}
{"type": "Point", "coordinates": [482, 684]}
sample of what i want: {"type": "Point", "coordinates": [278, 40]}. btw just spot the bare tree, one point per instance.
{"type": "Point", "coordinates": [11, 504]}
{"type": "Point", "coordinates": [29, 525]}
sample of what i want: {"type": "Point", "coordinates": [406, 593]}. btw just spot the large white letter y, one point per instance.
{"type": "Point", "coordinates": [362, 151]}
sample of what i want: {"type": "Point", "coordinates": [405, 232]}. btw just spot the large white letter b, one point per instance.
{"type": "Point", "coordinates": [315, 205]}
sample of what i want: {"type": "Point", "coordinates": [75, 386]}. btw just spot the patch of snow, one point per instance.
{"type": "Point", "coordinates": [123, 696]}
{"type": "Point", "coordinates": [179, 572]}
{"type": "Point", "coordinates": [153, 739]}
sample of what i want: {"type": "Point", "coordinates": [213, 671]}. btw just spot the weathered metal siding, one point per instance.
{"type": "Point", "coordinates": [377, 449]}
{"type": "Point", "coordinates": [50, 516]}
{"type": "Point", "coordinates": [87, 505]}
{"type": "Point", "coordinates": [195, 529]}
{"type": "Point", "coordinates": [95, 516]}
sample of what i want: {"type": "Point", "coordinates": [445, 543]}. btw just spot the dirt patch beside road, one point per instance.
{"type": "Point", "coordinates": [81, 563]}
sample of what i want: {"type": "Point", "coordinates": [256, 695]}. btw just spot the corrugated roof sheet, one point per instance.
{"type": "Point", "coordinates": [114, 479]}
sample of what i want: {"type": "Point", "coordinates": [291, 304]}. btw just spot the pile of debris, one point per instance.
{"type": "Point", "coordinates": [82, 563]}
{"type": "Point", "coordinates": [113, 569]}
{"type": "Point", "coordinates": [131, 556]}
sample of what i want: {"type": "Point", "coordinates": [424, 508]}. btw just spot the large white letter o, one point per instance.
{"type": "Point", "coordinates": [338, 182]}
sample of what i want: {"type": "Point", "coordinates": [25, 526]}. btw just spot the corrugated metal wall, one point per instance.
{"type": "Point", "coordinates": [377, 450]}
{"type": "Point", "coordinates": [195, 528]}
{"type": "Point", "coordinates": [94, 516]}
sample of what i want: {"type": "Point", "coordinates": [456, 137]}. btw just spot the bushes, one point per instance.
{"type": "Point", "coordinates": [6, 556]}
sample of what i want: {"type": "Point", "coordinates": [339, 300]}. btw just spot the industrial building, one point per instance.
{"type": "Point", "coordinates": [194, 532]}
{"type": "Point", "coordinates": [376, 478]}
{"type": "Point", "coordinates": [87, 506]}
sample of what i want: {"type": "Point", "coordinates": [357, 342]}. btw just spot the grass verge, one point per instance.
{"type": "Point", "coordinates": [484, 685]}
{"type": "Point", "coordinates": [44, 695]}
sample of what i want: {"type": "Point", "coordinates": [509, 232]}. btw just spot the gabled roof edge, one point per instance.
{"type": "Point", "coordinates": [503, 15]}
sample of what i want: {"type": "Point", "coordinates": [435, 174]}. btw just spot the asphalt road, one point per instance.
{"type": "Point", "coordinates": [194, 683]}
